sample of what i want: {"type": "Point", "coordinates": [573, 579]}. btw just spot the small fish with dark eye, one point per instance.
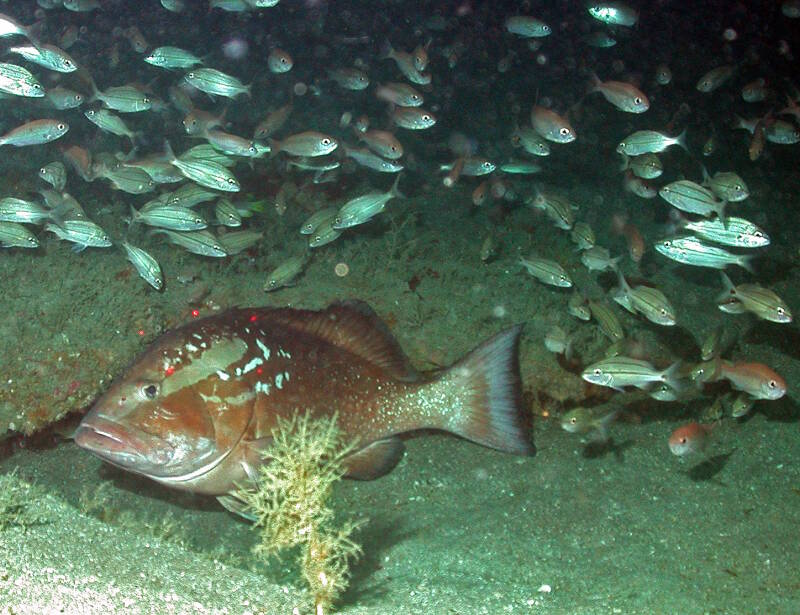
{"type": "Point", "coordinates": [614, 13]}
{"type": "Point", "coordinates": [36, 132]}
{"type": "Point", "coordinates": [19, 81]}
{"type": "Point", "coordinates": [526, 26]}
{"type": "Point", "coordinates": [728, 186]}
{"type": "Point", "coordinates": [582, 420]}
{"type": "Point", "coordinates": [286, 272]}
{"type": "Point", "coordinates": [14, 235]}
{"type": "Point", "coordinates": [55, 174]}
{"type": "Point", "coordinates": [546, 270]}
{"type": "Point", "coordinates": [309, 143]}
{"type": "Point", "coordinates": [172, 58]}
{"type": "Point", "coordinates": [755, 299]}
{"type": "Point", "coordinates": [83, 233]}
{"type": "Point", "coordinates": [620, 371]}
{"type": "Point", "coordinates": [216, 83]}
{"type": "Point", "coordinates": [146, 266]}
{"type": "Point", "coordinates": [552, 126]}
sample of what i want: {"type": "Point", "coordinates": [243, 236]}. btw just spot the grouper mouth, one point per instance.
{"type": "Point", "coordinates": [127, 448]}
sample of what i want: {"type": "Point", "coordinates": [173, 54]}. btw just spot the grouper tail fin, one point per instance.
{"type": "Point", "coordinates": [486, 389]}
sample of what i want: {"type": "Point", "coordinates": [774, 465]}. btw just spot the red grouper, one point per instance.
{"type": "Point", "coordinates": [196, 411]}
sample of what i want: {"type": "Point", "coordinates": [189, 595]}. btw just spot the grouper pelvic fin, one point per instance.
{"type": "Point", "coordinates": [375, 459]}
{"type": "Point", "coordinates": [355, 327]}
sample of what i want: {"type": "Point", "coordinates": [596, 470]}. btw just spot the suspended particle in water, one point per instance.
{"type": "Point", "coordinates": [341, 269]}
{"type": "Point", "coordinates": [729, 34]}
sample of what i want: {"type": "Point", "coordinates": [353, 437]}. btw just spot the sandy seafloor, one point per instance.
{"type": "Point", "coordinates": [456, 528]}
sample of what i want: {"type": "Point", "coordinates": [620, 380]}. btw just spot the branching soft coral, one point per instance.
{"type": "Point", "coordinates": [290, 504]}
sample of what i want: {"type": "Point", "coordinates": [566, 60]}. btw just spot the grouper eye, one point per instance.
{"type": "Point", "coordinates": [150, 391]}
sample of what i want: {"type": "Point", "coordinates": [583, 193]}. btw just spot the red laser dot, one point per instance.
{"type": "Point", "coordinates": [253, 318]}
{"type": "Point", "coordinates": [195, 313]}
{"type": "Point", "coordinates": [140, 332]}
{"type": "Point", "coordinates": [259, 370]}
{"type": "Point", "coordinates": [170, 370]}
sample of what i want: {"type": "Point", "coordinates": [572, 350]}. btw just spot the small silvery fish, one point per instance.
{"type": "Point", "coordinates": [756, 299]}
{"type": "Point", "coordinates": [692, 198]}
{"type": "Point", "coordinates": [350, 78]}
{"type": "Point", "coordinates": [578, 307]}
{"type": "Point", "coordinates": [558, 208]}
{"type": "Point", "coordinates": [413, 118]}
{"type": "Point", "coordinates": [232, 145]}
{"type": "Point", "coordinates": [63, 98]}
{"type": "Point", "coordinates": [620, 371]}
{"type": "Point", "coordinates": [526, 26]}
{"type": "Point", "coordinates": [48, 56]}
{"type": "Point", "coordinates": [13, 209]}
{"type": "Point", "coordinates": [129, 179]}
{"type": "Point", "coordinates": [206, 152]}
{"type": "Point", "coordinates": [236, 242]}
{"type": "Point", "coordinates": [547, 271]}
{"type": "Point", "coordinates": [108, 122]}
{"type": "Point", "coordinates": [370, 160]}
{"type": "Point", "coordinates": [316, 220]}
{"type": "Point", "coordinates": [147, 266]}
{"type": "Point", "coordinates": [216, 83]}
{"type": "Point", "coordinates": [125, 99]}
{"type": "Point", "coordinates": [324, 233]}
{"type": "Point", "coordinates": [613, 13]}
{"type": "Point", "coordinates": [169, 217]}
{"type": "Point", "coordinates": [552, 126]}
{"type": "Point", "coordinates": [585, 420]}
{"type": "Point", "coordinates": [649, 142]}
{"type": "Point", "coordinates": [279, 61]}
{"type": "Point", "coordinates": [18, 81]}
{"type": "Point", "coordinates": [608, 321]}
{"type": "Point", "coordinates": [10, 27]}
{"type": "Point", "coordinates": [646, 300]}
{"type": "Point", "coordinates": [691, 251]}
{"type": "Point", "coordinates": [598, 258]}
{"type": "Point", "coordinates": [583, 235]}
{"type": "Point", "coordinates": [206, 173]}
{"type": "Point", "coordinates": [201, 242]}
{"type": "Point", "coordinates": [226, 214]}
{"type": "Point", "coordinates": [520, 167]}
{"type": "Point", "coordinates": [728, 186]}
{"type": "Point", "coordinates": [285, 273]}
{"type": "Point", "coordinates": [360, 209]}
{"type": "Point", "coordinates": [189, 195]}
{"type": "Point", "coordinates": [308, 143]}
{"type": "Point", "coordinates": [646, 166]}
{"type": "Point", "coordinates": [473, 166]}
{"type": "Point", "coordinates": [54, 174]}
{"type": "Point", "coordinates": [172, 57]}
{"type": "Point", "coordinates": [735, 232]}
{"type": "Point", "coordinates": [531, 141]}
{"type": "Point", "coordinates": [83, 233]}
{"type": "Point", "coordinates": [715, 78]}
{"type": "Point", "coordinates": [35, 133]}
{"type": "Point", "coordinates": [13, 235]}
{"type": "Point", "coordinates": [624, 96]}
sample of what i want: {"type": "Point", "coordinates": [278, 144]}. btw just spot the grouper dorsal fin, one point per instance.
{"type": "Point", "coordinates": [355, 327]}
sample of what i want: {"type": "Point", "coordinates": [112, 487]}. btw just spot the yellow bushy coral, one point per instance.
{"type": "Point", "coordinates": [290, 503]}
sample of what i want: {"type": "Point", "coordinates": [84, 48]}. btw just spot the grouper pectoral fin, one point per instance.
{"type": "Point", "coordinates": [236, 506]}
{"type": "Point", "coordinates": [375, 459]}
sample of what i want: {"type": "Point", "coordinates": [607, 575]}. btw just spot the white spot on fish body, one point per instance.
{"type": "Point", "coordinates": [197, 336]}
{"type": "Point", "coordinates": [223, 375]}
{"type": "Point", "coordinates": [251, 365]}
{"type": "Point", "coordinates": [264, 349]}
{"type": "Point", "coordinates": [263, 387]}
{"type": "Point", "coordinates": [191, 348]}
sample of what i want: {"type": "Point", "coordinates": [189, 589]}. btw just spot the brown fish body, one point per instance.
{"type": "Point", "coordinates": [197, 410]}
